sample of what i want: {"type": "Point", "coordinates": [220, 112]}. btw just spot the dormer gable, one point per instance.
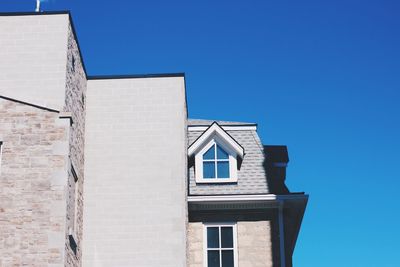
{"type": "Point", "coordinates": [216, 131]}
{"type": "Point", "coordinates": [216, 156]}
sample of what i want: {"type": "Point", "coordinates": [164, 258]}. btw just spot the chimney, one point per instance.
{"type": "Point", "coordinates": [37, 6]}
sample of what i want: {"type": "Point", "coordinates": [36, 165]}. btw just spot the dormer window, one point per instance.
{"type": "Point", "coordinates": [215, 156]}
{"type": "Point", "coordinates": [215, 163]}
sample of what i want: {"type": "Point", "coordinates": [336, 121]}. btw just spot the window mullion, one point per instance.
{"type": "Point", "coordinates": [216, 168]}
{"type": "Point", "coordinates": [215, 161]}
{"type": "Point", "coordinates": [220, 246]}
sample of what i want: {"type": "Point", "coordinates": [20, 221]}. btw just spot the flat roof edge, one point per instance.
{"type": "Point", "coordinates": [31, 13]}
{"type": "Point", "coordinates": [135, 76]}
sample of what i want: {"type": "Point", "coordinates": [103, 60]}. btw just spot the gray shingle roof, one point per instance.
{"type": "Point", "coordinates": [252, 178]}
{"type": "Point", "coordinates": [199, 122]}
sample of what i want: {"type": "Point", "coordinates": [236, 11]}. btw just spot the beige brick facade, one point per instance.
{"type": "Point", "coordinates": [254, 244]}
{"type": "Point", "coordinates": [195, 244]}
{"type": "Point", "coordinates": [33, 184]}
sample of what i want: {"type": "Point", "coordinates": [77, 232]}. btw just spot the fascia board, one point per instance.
{"type": "Point", "coordinates": [265, 197]}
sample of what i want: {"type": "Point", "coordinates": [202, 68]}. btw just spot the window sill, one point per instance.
{"type": "Point", "coordinates": [216, 181]}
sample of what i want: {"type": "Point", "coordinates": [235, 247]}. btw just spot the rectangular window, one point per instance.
{"type": "Point", "coordinates": [74, 231]}
{"type": "Point", "coordinates": [215, 163]}
{"type": "Point", "coordinates": [76, 197]}
{"type": "Point", "coordinates": [220, 245]}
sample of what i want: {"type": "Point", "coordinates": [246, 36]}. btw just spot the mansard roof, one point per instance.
{"type": "Point", "coordinates": [252, 175]}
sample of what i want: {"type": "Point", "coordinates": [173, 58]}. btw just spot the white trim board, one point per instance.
{"type": "Point", "coordinates": [227, 198]}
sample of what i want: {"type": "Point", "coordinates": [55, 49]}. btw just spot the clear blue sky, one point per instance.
{"type": "Point", "coordinates": [322, 77]}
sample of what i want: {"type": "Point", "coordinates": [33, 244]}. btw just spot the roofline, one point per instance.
{"type": "Point", "coordinates": [71, 21]}
{"type": "Point", "coordinates": [252, 194]}
{"type": "Point", "coordinates": [236, 125]}
{"type": "Point", "coordinates": [135, 76]}
{"type": "Point", "coordinates": [195, 128]}
{"type": "Point", "coordinates": [236, 198]}
{"type": "Point", "coordinates": [30, 13]}
{"type": "Point", "coordinates": [91, 77]}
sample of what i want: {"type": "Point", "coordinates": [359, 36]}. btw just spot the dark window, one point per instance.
{"type": "Point", "coordinates": [220, 246]}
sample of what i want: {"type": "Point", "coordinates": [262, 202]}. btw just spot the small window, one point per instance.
{"type": "Point", "coordinates": [73, 63]}
{"type": "Point", "coordinates": [215, 163]}
{"type": "Point", "coordinates": [74, 230]}
{"type": "Point", "coordinates": [220, 245]}
{"type": "Point", "coordinates": [76, 197]}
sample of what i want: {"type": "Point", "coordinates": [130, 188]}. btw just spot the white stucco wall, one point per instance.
{"type": "Point", "coordinates": [135, 173]}
{"type": "Point", "coordinates": [33, 58]}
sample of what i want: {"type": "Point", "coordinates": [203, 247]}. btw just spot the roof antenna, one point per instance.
{"type": "Point", "coordinates": [37, 6]}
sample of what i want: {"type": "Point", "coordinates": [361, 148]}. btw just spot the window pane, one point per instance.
{"type": "Point", "coordinates": [213, 258]}
{"type": "Point", "coordinates": [208, 169]}
{"type": "Point", "coordinates": [210, 154]}
{"type": "Point", "coordinates": [212, 237]}
{"type": "Point", "coordinates": [227, 237]}
{"type": "Point", "coordinates": [221, 154]}
{"type": "Point", "coordinates": [223, 169]}
{"type": "Point", "coordinates": [227, 258]}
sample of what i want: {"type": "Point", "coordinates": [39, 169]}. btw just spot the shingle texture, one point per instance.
{"type": "Point", "coordinates": [252, 178]}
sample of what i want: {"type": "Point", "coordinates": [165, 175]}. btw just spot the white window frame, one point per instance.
{"type": "Point", "coordinates": [232, 163]}
{"type": "Point", "coordinates": [234, 234]}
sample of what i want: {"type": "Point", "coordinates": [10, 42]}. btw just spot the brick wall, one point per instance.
{"type": "Point", "coordinates": [33, 51]}
{"type": "Point", "coordinates": [135, 173]}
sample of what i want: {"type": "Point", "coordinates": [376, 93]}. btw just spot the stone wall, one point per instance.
{"type": "Point", "coordinates": [33, 182]}
{"type": "Point", "coordinates": [255, 244]}
{"type": "Point", "coordinates": [75, 95]}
